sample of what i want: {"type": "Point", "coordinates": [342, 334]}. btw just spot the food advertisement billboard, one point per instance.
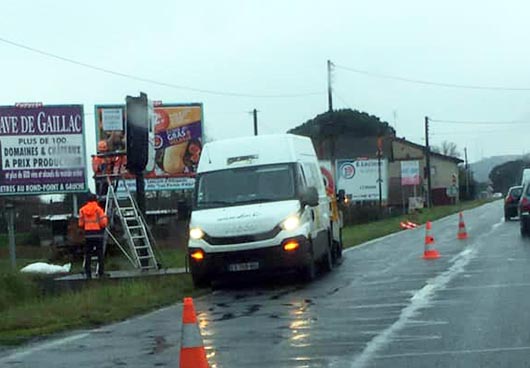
{"type": "Point", "coordinates": [177, 141]}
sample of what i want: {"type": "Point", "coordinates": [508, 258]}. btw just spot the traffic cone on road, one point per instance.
{"type": "Point", "coordinates": [429, 251]}
{"type": "Point", "coordinates": [462, 233]}
{"type": "Point", "coordinates": [192, 352]}
{"type": "Point", "coordinates": [412, 225]}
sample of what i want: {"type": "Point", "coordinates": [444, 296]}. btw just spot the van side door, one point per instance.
{"type": "Point", "coordinates": [321, 212]}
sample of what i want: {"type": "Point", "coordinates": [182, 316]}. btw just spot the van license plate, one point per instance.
{"type": "Point", "coordinates": [249, 266]}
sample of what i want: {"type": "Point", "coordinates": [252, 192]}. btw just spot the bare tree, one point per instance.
{"type": "Point", "coordinates": [447, 148]}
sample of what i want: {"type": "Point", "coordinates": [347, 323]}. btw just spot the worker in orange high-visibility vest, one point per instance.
{"type": "Point", "coordinates": [93, 220]}
{"type": "Point", "coordinates": [101, 166]}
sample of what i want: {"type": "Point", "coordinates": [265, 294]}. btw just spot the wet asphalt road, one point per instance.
{"type": "Point", "coordinates": [383, 307]}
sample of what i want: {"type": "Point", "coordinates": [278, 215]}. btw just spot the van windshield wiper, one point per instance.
{"type": "Point", "coordinates": [258, 200]}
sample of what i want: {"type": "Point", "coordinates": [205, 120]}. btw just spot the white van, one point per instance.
{"type": "Point", "coordinates": [260, 206]}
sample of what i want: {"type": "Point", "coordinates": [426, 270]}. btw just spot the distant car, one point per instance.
{"type": "Point", "coordinates": [524, 210]}
{"type": "Point", "coordinates": [497, 195]}
{"type": "Point", "coordinates": [511, 202]}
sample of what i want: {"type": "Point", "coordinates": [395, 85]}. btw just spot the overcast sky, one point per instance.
{"type": "Point", "coordinates": [279, 47]}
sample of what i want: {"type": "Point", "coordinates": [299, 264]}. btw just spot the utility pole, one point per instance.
{"type": "Point", "coordinates": [255, 114]}
{"type": "Point", "coordinates": [330, 96]}
{"type": "Point", "coordinates": [379, 179]}
{"type": "Point", "coordinates": [428, 162]}
{"type": "Point", "coordinates": [467, 173]}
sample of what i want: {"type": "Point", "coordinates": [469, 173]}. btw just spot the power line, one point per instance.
{"type": "Point", "coordinates": [477, 132]}
{"type": "Point", "coordinates": [467, 122]}
{"type": "Point", "coordinates": [431, 83]}
{"type": "Point", "coordinates": [342, 99]}
{"type": "Point", "coordinates": [152, 81]}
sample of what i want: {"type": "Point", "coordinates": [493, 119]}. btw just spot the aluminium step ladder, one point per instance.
{"type": "Point", "coordinates": [121, 205]}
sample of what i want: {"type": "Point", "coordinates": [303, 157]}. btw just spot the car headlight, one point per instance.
{"type": "Point", "coordinates": [196, 233]}
{"type": "Point", "coordinates": [291, 223]}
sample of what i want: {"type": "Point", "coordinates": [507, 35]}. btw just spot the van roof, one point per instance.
{"type": "Point", "coordinates": [255, 150]}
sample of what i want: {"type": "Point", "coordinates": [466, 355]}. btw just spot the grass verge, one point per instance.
{"type": "Point", "coordinates": [31, 314]}
{"type": "Point", "coordinates": [358, 234]}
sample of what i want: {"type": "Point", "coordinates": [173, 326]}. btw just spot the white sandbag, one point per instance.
{"type": "Point", "coordinates": [45, 268]}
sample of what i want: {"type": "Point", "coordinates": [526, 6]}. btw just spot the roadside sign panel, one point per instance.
{"type": "Point", "coordinates": [359, 179]}
{"type": "Point", "coordinates": [177, 142]}
{"type": "Point", "coordinates": [452, 191]}
{"type": "Point", "coordinates": [42, 150]}
{"type": "Point", "coordinates": [110, 126]}
{"type": "Point", "coordinates": [112, 119]}
{"type": "Point", "coordinates": [410, 172]}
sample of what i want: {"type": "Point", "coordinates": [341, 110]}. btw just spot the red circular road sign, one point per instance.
{"type": "Point", "coordinates": [347, 170]}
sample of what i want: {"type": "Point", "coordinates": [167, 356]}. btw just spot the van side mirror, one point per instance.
{"type": "Point", "coordinates": [341, 196]}
{"type": "Point", "coordinates": [309, 197]}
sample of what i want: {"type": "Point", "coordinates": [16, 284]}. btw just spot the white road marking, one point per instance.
{"type": "Point", "coordinates": [18, 354]}
{"type": "Point", "coordinates": [28, 351]}
{"type": "Point", "coordinates": [420, 300]}
{"type": "Point", "coordinates": [492, 286]}
{"type": "Point", "coordinates": [371, 242]}
{"type": "Point", "coordinates": [455, 352]}
{"type": "Point", "coordinates": [409, 338]}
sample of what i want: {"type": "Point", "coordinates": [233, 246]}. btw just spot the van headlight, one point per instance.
{"type": "Point", "coordinates": [291, 223]}
{"type": "Point", "coordinates": [196, 233]}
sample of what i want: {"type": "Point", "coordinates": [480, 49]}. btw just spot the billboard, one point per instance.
{"type": "Point", "coordinates": [110, 126]}
{"type": "Point", "coordinates": [42, 149]}
{"type": "Point", "coordinates": [177, 142]}
{"type": "Point", "coordinates": [410, 172]}
{"type": "Point", "coordinates": [359, 179]}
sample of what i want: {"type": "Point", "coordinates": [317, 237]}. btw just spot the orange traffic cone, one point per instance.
{"type": "Point", "coordinates": [429, 252]}
{"type": "Point", "coordinates": [192, 352]}
{"type": "Point", "coordinates": [412, 225]}
{"type": "Point", "coordinates": [462, 233]}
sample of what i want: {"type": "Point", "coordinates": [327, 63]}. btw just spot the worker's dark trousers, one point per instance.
{"type": "Point", "coordinates": [94, 243]}
{"type": "Point", "coordinates": [101, 186]}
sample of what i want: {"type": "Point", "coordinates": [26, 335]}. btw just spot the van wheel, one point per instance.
{"type": "Point", "coordinates": [200, 282]}
{"type": "Point", "coordinates": [327, 261]}
{"type": "Point", "coordinates": [337, 249]}
{"type": "Point", "coordinates": [309, 271]}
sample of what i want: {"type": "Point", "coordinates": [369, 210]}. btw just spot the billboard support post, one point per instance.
{"type": "Point", "coordinates": [140, 191]}
{"type": "Point", "coordinates": [10, 210]}
{"type": "Point", "coordinates": [75, 206]}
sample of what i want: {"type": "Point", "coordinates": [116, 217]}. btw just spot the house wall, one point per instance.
{"type": "Point", "coordinates": [441, 175]}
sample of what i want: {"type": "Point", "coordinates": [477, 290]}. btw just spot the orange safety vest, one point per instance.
{"type": "Point", "coordinates": [92, 217]}
{"type": "Point", "coordinates": [98, 164]}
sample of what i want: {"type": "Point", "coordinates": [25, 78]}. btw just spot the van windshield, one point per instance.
{"type": "Point", "coordinates": [233, 187]}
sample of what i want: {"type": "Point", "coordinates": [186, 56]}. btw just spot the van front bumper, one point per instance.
{"type": "Point", "coordinates": [266, 260]}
